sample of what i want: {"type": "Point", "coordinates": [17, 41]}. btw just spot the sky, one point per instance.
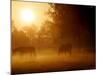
{"type": "Point", "coordinates": [38, 10]}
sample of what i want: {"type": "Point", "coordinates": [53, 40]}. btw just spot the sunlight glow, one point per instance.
{"type": "Point", "coordinates": [27, 16]}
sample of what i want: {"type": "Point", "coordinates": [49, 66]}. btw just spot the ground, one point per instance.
{"type": "Point", "coordinates": [50, 61]}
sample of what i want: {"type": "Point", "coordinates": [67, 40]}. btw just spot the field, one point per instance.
{"type": "Point", "coordinates": [50, 61]}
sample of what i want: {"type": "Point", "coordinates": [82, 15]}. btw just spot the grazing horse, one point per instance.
{"type": "Point", "coordinates": [65, 48]}
{"type": "Point", "coordinates": [24, 50]}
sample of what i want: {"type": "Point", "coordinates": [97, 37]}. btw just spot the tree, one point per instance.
{"type": "Point", "coordinates": [74, 24]}
{"type": "Point", "coordinates": [65, 22]}
{"type": "Point", "coordinates": [19, 37]}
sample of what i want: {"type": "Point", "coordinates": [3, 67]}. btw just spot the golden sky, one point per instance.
{"type": "Point", "coordinates": [38, 10]}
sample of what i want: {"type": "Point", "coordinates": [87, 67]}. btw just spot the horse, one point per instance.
{"type": "Point", "coordinates": [65, 48]}
{"type": "Point", "coordinates": [24, 50]}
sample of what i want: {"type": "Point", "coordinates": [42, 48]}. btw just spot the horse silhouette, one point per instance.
{"type": "Point", "coordinates": [65, 48]}
{"type": "Point", "coordinates": [24, 50]}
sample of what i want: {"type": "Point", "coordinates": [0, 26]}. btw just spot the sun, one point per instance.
{"type": "Point", "coordinates": [27, 16]}
{"type": "Point", "coordinates": [30, 14]}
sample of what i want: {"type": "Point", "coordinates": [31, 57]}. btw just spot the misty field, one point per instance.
{"type": "Point", "coordinates": [50, 61]}
{"type": "Point", "coordinates": [50, 37]}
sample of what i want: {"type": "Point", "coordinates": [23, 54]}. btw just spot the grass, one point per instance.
{"type": "Point", "coordinates": [50, 61]}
